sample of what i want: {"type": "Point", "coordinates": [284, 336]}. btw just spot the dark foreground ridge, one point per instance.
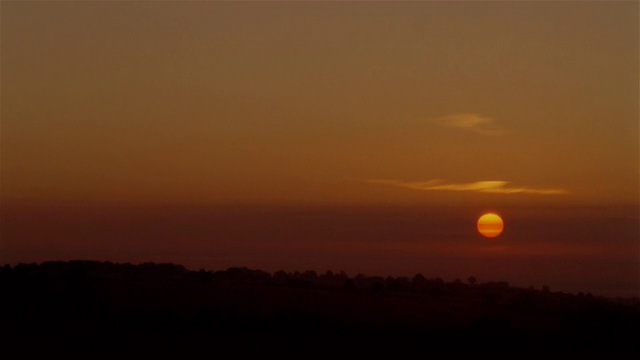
{"type": "Point", "coordinates": [103, 307]}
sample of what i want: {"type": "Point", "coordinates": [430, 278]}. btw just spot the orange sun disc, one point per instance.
{"type": "Point", "coordinates": [490, 225]}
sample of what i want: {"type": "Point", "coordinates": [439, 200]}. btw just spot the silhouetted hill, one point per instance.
{"type": "Point", "coordinates": [88, 306]}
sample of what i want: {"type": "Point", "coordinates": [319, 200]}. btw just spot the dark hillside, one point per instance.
{"type": "Point", "coordinates": [84, 306]}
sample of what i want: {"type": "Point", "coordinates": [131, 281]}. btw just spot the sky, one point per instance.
{"type": "Point", "coordinates": [360, 135]}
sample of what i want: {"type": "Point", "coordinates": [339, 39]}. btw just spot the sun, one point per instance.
{"type": "Point", "coordinates": [490, 225]}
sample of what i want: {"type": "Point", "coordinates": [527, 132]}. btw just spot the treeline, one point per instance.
{"type": "Point", "coordinates": [83, 269]}
{"type": "Point", "coordinates": [491, 292]}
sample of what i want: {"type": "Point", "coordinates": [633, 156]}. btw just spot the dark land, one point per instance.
{"type": "Point", "coordinates": [104, 307]}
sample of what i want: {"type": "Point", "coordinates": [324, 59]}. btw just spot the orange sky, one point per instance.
{"type": "Point", "coordinates": [286, 103]}
{"type": "Point", "coordinates": [364, 136]}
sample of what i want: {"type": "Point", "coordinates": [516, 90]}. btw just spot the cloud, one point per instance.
{"type": "Point", "coordinates": [472, 122]}
{"type": "Point", "coordinates": [493, 186]}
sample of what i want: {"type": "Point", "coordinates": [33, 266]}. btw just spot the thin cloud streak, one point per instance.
{"type": "Point", "coordinates": [479, 124]}
{"type": "Point", "coordinates": [493, 187]}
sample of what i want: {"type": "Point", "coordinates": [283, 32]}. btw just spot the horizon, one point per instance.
{"type": "Point", "coordinates": [312, 276]}
{"type": "Point", "coordinates": [534, 249]}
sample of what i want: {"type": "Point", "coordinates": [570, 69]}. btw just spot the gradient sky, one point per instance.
{"type": "Point", "coordinates": [479, 105]}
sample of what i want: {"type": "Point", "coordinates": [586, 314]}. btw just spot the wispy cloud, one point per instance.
{"type": "Point", "coordinates": [483, 125]}
{"type": "Point", "coordinates": [493, 186]}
